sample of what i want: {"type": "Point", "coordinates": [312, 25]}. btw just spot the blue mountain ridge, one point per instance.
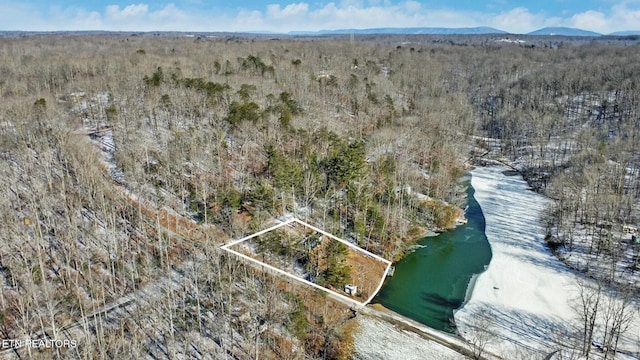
{"type": "Point", "coordinates": [405, 31]}
{"type": "Point", "coordinates": [481, 30]}
{"type": "Point", "coordinates": [626, 33]}
{"type": "Point", "coordinates": [564, 31]}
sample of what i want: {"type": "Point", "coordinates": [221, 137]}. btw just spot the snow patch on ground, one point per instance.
{"type": "Point", "coordinates": [377, 339]}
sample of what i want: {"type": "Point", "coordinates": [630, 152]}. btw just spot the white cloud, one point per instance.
{"type": "Point", "coordinates": [592, 20]}
{"type": "Point", "coordinates": [622, 16]}
{"type": "Point", "coordinates": [413, 6]}
{"type": "Point", "coordinates": [16, 14]}
{"type": "Point", "coordinates": [169, 12]}
{"type": "Point", "coordinates": [518, 20]}
{"type": "Point", "coordinates": [138, 10]}
{"type": "Point", "coordinates": [246, 20]}
{"type": "Point", "coordinates": [626, 18]}
{"type": "Point", "coordinates": [87, 21]}
{"type": "Point", "coordinates": [352, 4]}
{"type": "Point", "coordinates": [292, 10]}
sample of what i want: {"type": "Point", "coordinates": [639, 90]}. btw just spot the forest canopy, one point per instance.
{"type": "Point", "coordinates": [128, 160]}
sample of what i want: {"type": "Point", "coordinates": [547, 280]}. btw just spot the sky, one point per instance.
{"type": "Point", "coordinates": [603, 16]}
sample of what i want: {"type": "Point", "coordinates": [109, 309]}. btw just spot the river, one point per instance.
{"type": "Point", "coordinates": [433, 281]}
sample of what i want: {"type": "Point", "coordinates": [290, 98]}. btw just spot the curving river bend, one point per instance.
{"type": "Point", "coordinates": [433, 281]}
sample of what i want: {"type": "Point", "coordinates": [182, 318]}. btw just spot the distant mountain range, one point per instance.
{"type": "Point", "coordinates": [411, 31]}
{"type": "Point", "coordinates": [483, 30]}
{"type": "Point", "coordinates": [564, 31]}
{"type": "Point", "coordinates": [626, 33]}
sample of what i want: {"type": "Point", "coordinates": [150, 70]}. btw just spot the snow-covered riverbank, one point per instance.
{"type": "Point", "coordinates": [524, 304]}
{"type": "Point", "coordinates": [379, 339]}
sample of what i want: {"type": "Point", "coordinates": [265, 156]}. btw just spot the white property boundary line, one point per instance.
{"type": "Point", "coordinates": [227, 247]}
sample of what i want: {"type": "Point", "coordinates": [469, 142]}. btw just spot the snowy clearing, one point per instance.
{"type": "Point", "coordinates": [377, 339]}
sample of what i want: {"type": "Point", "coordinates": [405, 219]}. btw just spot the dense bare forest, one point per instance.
{"type": "Point", "coordinates": [128, 161]}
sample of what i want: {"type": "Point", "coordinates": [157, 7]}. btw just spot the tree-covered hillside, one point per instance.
{"type": "Point", "coordinates": [127, 161]}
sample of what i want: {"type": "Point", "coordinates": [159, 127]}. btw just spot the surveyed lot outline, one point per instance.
{"type": "Point", "coordinates": [356, 248]}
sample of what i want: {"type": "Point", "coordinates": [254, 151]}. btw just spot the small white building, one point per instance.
{"type": "Point", "coordinates": [351, 289]}
{"type": "Point", "coordinates": [629, 229]}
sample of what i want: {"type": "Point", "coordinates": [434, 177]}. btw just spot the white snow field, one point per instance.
{"type": "Point", "coordinates": [381, 340]}
{"type": "Point", "coordinates": [526, 299]}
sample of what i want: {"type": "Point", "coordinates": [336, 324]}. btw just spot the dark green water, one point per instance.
{"type": "Point", "coordinates": [430, 283]}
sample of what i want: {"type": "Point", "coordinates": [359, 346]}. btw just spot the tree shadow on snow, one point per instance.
{"type": "Point", "coordinates": [534, 251]}
{"type": "Point", "coordinates": [525, 330]}
{"type": "Point", "coordinates": [546, 261]}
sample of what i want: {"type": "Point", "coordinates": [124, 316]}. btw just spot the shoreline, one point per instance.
{"type": "Point", "coordinates": [443, 272]}
{"type": "Point", "coordinates": [517, 294]}
{"type": "Point", "coordinates": [521, 307]}
{"type": "Point", "coordinates": [421, 338]}
{"type": "Point", "coordinates": [469, 293]}
{"type": "Point", "coordinates": [524, 304]}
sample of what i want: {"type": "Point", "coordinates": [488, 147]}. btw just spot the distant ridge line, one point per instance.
{"type": "Point", "coordinates": [479, 30]}
{"type": "Point", "coordinates": [482, 30]}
